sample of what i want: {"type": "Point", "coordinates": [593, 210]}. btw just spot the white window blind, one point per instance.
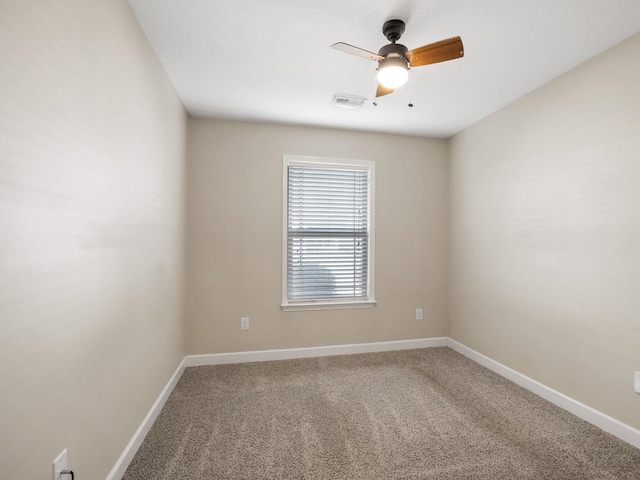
{"type": "Point", "coordinates": [328, 232]}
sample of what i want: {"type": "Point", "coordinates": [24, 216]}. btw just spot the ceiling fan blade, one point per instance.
{"type": "Point", "coordinates": [441, 51]}
{"type": "Point", "coordinates": [382, 90]}
{"type": "Point", "coordinates": [359, 52]}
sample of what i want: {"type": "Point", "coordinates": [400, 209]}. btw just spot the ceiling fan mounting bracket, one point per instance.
{"type": "Point", "coordinates": [393, 30]}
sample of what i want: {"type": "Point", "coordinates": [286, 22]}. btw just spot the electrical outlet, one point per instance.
{"type": "Point", "coordinates": [419, 313]}
{"type": "Point", "coordinates": [636, 381]}
{"type": "Point", "coordinates": [244, 323]}
{"type": "Point", "coordinates": [59, 464]}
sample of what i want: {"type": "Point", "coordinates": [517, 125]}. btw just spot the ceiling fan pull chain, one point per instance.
{"type": "Point", "coordinates": [375, 88]}
{"type": "Point", "coordinates": [410, 90]}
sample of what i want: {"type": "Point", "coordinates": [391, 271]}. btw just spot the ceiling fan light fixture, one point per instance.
{"type": "Point", "coordinates": [394, 59]}
{"type": "Point", "coordinates": [393, 72]}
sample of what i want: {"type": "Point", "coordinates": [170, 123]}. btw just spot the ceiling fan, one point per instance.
{"type": "Point", "coordinates": [395, 59]}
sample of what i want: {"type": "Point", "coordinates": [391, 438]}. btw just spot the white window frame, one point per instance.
{"type": "Point", "coordinates": [322, 304]}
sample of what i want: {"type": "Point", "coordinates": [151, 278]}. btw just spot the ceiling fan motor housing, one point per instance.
{"type": "Point", "coordinates": [393, 48]}
{"type": "Point", "coordinates": [393, 30]}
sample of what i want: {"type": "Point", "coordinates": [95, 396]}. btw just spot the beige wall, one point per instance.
{"type": "Point", "coordinates": [235, 232]}
{"type": "Point", "coordinates": [91, 233]}
{"type": "Point", "coordinates": [545, 217]}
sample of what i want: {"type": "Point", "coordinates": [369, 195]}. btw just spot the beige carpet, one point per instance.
{"type": "Point", "coordinates": [417, 414]}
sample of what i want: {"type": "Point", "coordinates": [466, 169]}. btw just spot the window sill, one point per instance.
{"type": "Point", "coordinates": [320, 305]}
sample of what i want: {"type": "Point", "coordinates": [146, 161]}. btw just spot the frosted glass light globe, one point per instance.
{"type": "Point", "coordinates": [393, 76]}
{"type": "Point", "coordinates": [393, 71]}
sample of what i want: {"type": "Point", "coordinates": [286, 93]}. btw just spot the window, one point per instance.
{"type": "Point", "coordinates": [328, 233]}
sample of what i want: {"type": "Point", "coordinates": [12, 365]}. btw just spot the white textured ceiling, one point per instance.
{"type": "Point", "coordinates": [270, 61]}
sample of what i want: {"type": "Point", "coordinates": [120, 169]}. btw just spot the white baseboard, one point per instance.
{"type": "Point", "coordinates": [291, 353]}
{"type": "Point", "coordinates": [131, 449]}
{"type": "Point", "coordinates": [609, 424]}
